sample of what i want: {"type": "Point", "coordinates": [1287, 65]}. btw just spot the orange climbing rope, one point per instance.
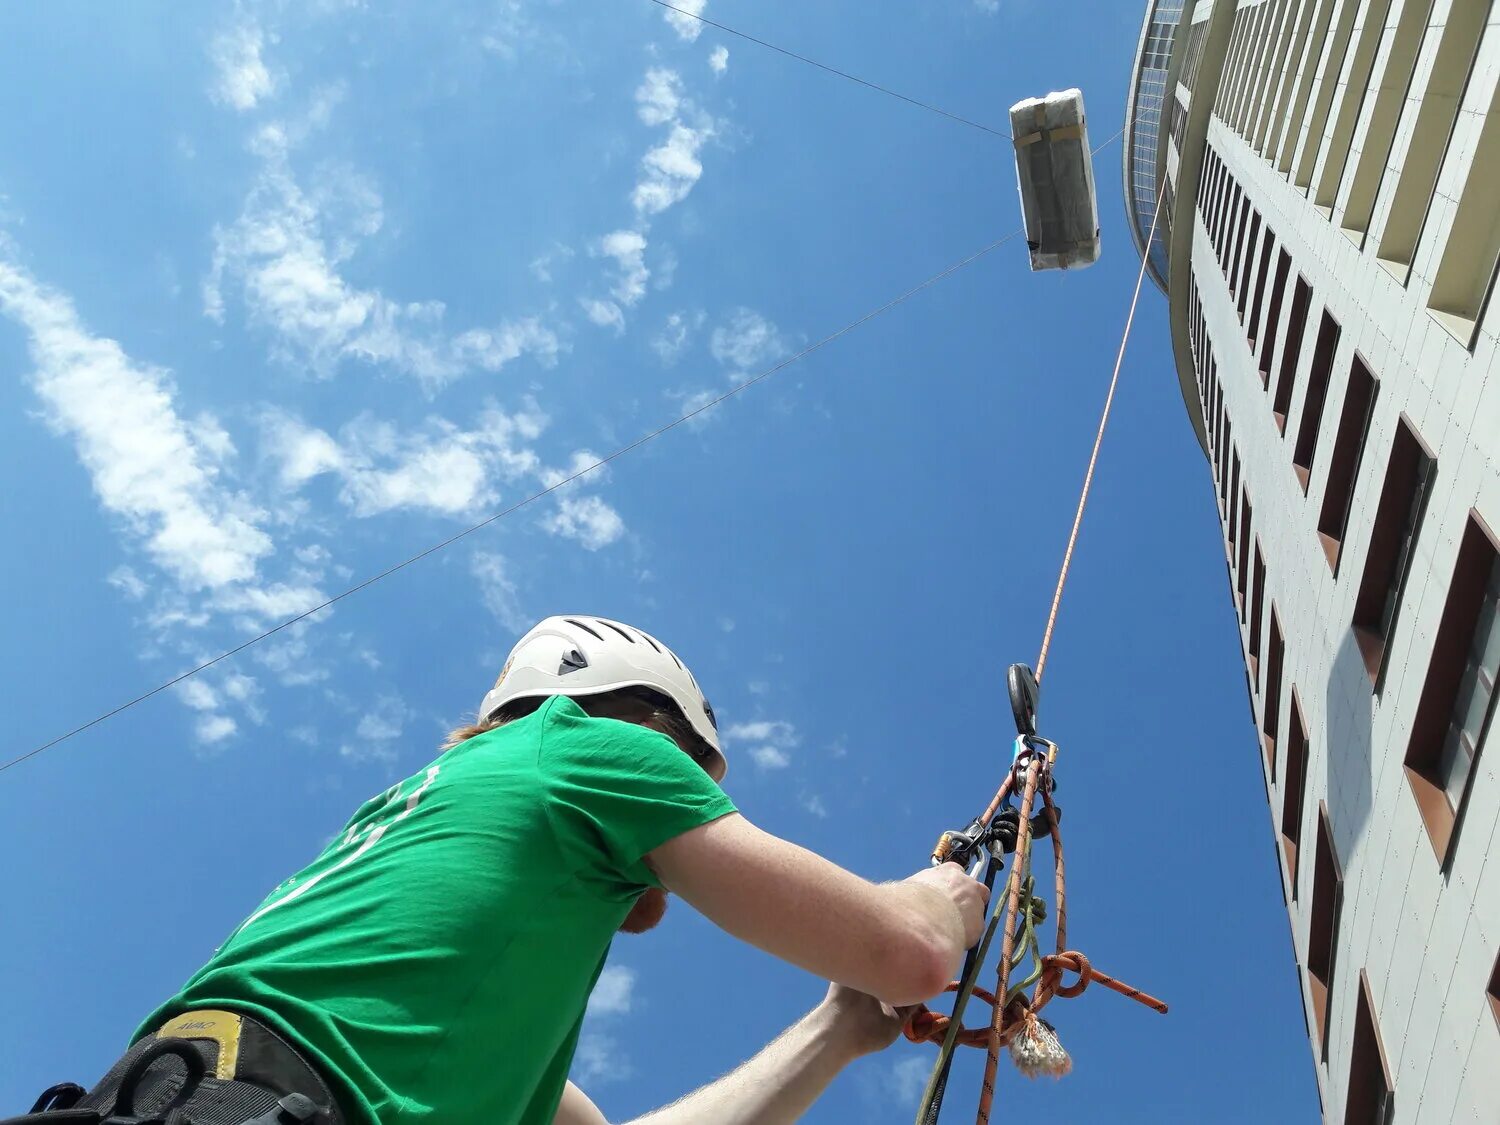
{"type": "Point", "coordinates": [1019, 1017]}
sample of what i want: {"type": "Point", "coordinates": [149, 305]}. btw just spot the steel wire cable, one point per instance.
{"type": "Point", "coordinates": [833, 70]}
{"type": "Point", "coordinates": [622, 451]}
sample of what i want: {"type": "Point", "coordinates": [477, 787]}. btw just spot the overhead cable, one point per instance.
{"type": "Point", "coordinates": [531, 499]}
{"type": "Point", "coordinates": [617, 454]}
{"type": "Point", "coordinates": [832, 70]}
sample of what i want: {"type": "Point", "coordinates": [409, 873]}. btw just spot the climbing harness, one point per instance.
{"type": "Point", "coordinates": [206, 1067]}
{"type": "Point", "coordinates": [1015, 1021]}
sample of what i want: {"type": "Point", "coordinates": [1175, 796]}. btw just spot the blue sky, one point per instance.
{"type": "Point", "coordinates": [288, 292]}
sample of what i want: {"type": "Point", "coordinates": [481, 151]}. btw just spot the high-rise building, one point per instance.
{"type": "Point", "coordinates": [1323, 177]}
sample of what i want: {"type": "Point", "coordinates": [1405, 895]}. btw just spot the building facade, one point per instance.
{"type": "Point", "coordinates": [1323, 180]}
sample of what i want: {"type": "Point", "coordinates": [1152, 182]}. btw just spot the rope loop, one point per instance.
{"type": "Point", "coordinates": [1056, 964]}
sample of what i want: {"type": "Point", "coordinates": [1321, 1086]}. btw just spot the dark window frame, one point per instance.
{"type": "Point", "coordinates": [1315, 398]}
{"type": "Point", "coordinates": [1410, 471]}
{"type": "Point", "coordinates": [1267, 247]}
{"type": "Point", "coordinates": [1270, 715]}
{"type": "Point", "coordinates": [1273, 318]}
{"type": "Point", "coordinates": [1478, 549]}
{"type": "Point", "coordinates": [1294, 786]}
{"type": "Point", "coordinates": [1323, 926]}
{"type": "Point", "coordinates": [1291, 354]}
{"type": "Point", "coordinates": [1371, 1089]}
{"type": "Point", "coordinates": [1361, 391]}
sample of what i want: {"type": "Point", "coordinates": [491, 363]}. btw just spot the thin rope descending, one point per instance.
{"type": "Point", "coordinates": [535, 496]}
{"type": "Point", "coordinates": [832, 70]}
{"type": "Point", "coordinates": [1088, 477]}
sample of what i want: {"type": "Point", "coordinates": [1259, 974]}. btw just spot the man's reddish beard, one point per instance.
{"type": "Point", "coordinates": [646, 912]}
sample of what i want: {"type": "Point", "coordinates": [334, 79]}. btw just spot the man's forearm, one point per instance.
{"type": "Point", "coordinates": [776, 1086]}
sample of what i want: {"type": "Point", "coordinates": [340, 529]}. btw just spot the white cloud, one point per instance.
{"type": "Point", "coordinates": [718, 60]}
{"type": "Point", "coordinates": [128, 582]}
{"type": "Point", "coordinates": [658, 98]}
{"type": "Point", "coordinates": [670, 169]}
{"type": "Point", "coordinates": [688, 29]}
{"type": "Point", "coordinates": [907, 1078]}
{"type": "Point", "coordinates": [600, 1058]}
{"type": "Point", "coordinates": [606, 314]}
{"type": "Point", "coordinates": [285, 252]}
{"type": "Point", "coordinates": [197, 694]}
{"type": "Point", "coordinates": [675, 335]}
{"type": "Point", "coordinates": [746, 340]}
{"type": "Point", "coordinates": [613, 992]}
{"type": "Point", "coordinates": [379, 725]}
{"type": "Point", "coordinates": [628, 249]}
{"type": "Point", "coordinates": [814, 804]}
{"type": "Point", "coordinates": [144, 460]}
{"type": "Point", "coordinates": [241, 79]}
{"type": "Point", "coordinates": [588, 519]}
{"type": "Point", "coordinates": [213, 729]}
{"type": "Point", "coordinates": [770, 757]}
{"type": "Point", "coordinates": [497, 590]}
{"type": "Point", "coordinates": [989, 7]}
{"type": "Point", "coordinates": [775, 738]}
{"type": "Point", "coordinates": [438, 468]}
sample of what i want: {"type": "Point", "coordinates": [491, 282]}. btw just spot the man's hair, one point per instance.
{"type": "Point", "coordinates": [631, 704]}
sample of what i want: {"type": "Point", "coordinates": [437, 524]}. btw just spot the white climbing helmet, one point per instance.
{"type": "Point", "coordinates": [581, 656]}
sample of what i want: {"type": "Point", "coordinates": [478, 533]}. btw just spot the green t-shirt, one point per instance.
{"type": "Point", "coordinates": [437, 957]}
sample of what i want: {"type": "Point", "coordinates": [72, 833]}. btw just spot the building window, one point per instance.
{"type": "Point", "coordinates": [1270, 720]}
{"type": "Point", "coordinates": [1393, 537]}
{"type": "Point", "coordinates": [1243, 568]}
{"type": "Point", "coordinates": [1305, 76]}
{"type": "Point", "coordinates": [1291, 355]}
{"type": "Point", "coordinates": [1232, 499]}
{"type": "Point", "coordinates": [1432, 136]}
{"type": "Point", "coordinates": [1267, 244]}
{"type": "Point", "coordinates": [1466, 275]}
{"type": "Point", "coordinates": [1248, 268]}
{"type": "Point", "coordinates": [1372, 1094]}
{"type": "Point", "coordinates": [1458, 700]}
{"type": "Point", "coordinates": [1317, 394]}
{"type": "Point", "coordinates": [1353, 85]}
{"type": "Point", "coordinates": [1295, 785]}
{"type": "Point", "coordinates": [1384, 105]}
{"type": "Point", "coordinates": [1328, 85]}
{"type": "Point", "coordinates": [1273, 317]}
{"type": "Point", "coordinates": [1283, 71]}
{"type": "Point", "coordinates": [1241, 227]}
{"type": "Point", "coordinates": [1257, 604]}
{"type": "Point", "coordinates": [1343, 464]}
{"type": "Point", "coordinates": [1323, 925]}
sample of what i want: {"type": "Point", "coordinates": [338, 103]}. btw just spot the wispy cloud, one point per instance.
{"type": "Point", "coordinates": [668, 172]}
{"type": "Point", "coordinates": [676, 334]}
{"type": "Point", "coordinates": [497, 590]}
{"type": "Point", "coordinates": [600, 1056]}
{"type": "Point", "coordinates": [687, 28]}
{"type": "Point", "coordinates": [440, 468]}
{"type": "Point", "coordinates": [380, 725]}
{"type": "Point", "coordinates": [614, 991]}
{"type": "Point", "coordinates": [769, 742]}
{"type": "Point", "coordinates": [150, 466]}
{"type": "Point", "coordinates": [718, 60]}
{"type": "Point", "coordinates": [907, 1078]}
{"type": "Point", "coordinates": [746, 340]}
{"type": "Point", "coordinates": [284, 256]}
{"type": "Point", "coordinates": [241, 78]}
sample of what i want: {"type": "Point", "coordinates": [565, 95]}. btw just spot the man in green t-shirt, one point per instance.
{"type": "Point", "coordinates": [434, 962]}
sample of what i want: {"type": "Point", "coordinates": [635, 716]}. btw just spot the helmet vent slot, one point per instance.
{"type": "Point", "coordinates": [617, 629]}
{"type": "Point", "coordinates": [585, 628]}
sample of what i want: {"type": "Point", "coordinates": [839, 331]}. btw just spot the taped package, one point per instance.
{"type": "Point", "coordinates": [1055, 174]}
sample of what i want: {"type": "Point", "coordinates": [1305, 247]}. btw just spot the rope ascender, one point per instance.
{"type": "Point", "coordinates": [1006, 829]}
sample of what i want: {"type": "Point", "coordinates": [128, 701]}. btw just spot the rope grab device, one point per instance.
{"type": "Point", "coordinates": [1007, 829]}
